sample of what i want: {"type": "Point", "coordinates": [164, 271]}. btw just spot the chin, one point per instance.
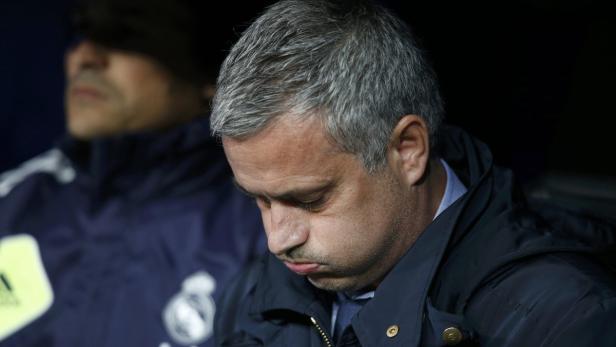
{"type": "Point", "coordinates": [83, 132]}
{"type": "Point", "coordinates": [335, 284]}
{"type": "Point", "coordinates": [89, 126]}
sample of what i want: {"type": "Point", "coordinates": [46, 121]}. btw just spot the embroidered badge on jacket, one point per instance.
{"type": "Point", "coordinates": [189, 315]}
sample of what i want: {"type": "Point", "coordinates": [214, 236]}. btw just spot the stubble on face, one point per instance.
{"type": "Point", "coordinates": [381, 239]}
{"type": "Point", "coordinates": [362, 231]}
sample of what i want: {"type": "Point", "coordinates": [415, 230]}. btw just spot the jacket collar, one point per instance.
{"type": "Point", "coordinates": [141, 165]}
{"type": "Point", "coordinates": [280, 289]}
{"type": "Point", "coordinates": [496, 213]}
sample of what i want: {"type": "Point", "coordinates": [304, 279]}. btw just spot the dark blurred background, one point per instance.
{"type": "Point", "coordinates": [33, 36]}
{"type": "Point", "coordinates": [532, 78]}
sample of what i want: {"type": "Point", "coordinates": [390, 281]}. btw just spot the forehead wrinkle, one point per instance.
{"type": "Point", "coordinates": [289, 155]}
{"type": "Point", "coordinates": [277, 188]}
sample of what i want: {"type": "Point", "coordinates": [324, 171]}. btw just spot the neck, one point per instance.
{"type": "Point", "coordinates": [422, 202]}
{"type": "Point", "coordinates": [425, 198]}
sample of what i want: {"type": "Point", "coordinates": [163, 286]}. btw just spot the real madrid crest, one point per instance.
{"type": "Point", "coordinates": [189, 315]}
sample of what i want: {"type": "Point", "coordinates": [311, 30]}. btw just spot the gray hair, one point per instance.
{"type": "Point", "coordinates": [352, 63]}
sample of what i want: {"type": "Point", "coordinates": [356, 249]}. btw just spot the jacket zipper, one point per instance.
{"type": "Point", "coordinates": [321, 332]}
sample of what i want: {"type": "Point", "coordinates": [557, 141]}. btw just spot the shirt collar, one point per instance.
{"type": "Point", "coordinates": [453, 190]}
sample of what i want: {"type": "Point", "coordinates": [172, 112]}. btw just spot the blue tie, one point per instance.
{"type": "Point", "coordinates": [347, 308]}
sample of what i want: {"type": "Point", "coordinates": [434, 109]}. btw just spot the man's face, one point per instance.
{"type": "Point", "coordinates": [325, 216]}
{"type": "Point", "coordinates": [111, 92]}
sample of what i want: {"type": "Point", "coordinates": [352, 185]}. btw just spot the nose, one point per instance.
{"type": "Point", "coordinates": [286, 229]}
{"type": "Point", "coordinates": [86, 55]}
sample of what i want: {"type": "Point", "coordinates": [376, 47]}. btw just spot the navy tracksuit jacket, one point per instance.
{"type": "Point", "coordinates": [138, 236]}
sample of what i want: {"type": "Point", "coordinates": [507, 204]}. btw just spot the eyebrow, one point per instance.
{"type": "Point", "coordinates": [290, 195]}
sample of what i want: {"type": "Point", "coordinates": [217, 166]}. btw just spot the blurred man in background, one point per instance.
{"type": "Point", "coordinates": [126, 233]}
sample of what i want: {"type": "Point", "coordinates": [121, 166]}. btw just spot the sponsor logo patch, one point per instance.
{"type": "Point", "coordinates": [25, 291]}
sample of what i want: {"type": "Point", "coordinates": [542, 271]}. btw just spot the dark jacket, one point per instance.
{"type": "Point", "coordinates": [504, 274]}
{"type": "Point", "coordinates": [137, 235]}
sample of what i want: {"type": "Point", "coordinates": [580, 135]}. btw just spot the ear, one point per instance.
{"type": "Point", "coordinates": [409, 149]}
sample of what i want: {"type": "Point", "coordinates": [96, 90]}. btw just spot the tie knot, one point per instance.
{"type": "Point", "coordinates": [348, 301]}
{"type": "Point", "coordinates": [347, 308]}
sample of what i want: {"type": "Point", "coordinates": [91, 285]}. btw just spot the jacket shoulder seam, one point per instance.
{"type": "Point", "coordinates": [52, 162]}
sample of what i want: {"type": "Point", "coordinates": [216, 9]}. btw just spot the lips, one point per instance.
{"type": "Point", "coordinates": [302, 268]}
{"type": "Point", "coordinates": [86, 92]}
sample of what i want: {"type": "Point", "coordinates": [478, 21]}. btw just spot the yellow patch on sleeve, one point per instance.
{"type": "Point", "coordinates": [25, 291]}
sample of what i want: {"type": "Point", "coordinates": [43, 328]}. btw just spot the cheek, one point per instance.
{"type": "Point", "coordinates": [359, 233]}
{"type": "Point", "coordinates": [341, 237]}
{"type": "Point", "coordinates": [140, 83]}
{"type": "Point", "coordinates": [140, 88]}
{"type": "Point", "coordinates": [148, 106]}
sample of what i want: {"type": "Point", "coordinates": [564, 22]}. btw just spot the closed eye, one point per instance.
{"type": "Point", "coordinates": [312, 206]}
{"type": "Point", "coordinates": [311, 200]}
